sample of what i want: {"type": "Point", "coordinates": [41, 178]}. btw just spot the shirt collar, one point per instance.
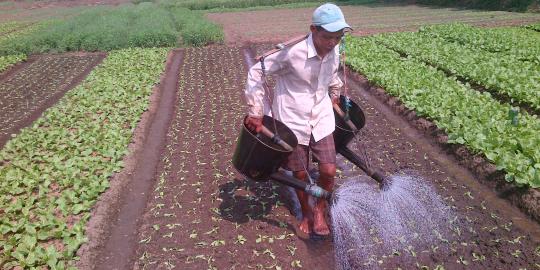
{"type": "Point", "coordinates": [311, 51]}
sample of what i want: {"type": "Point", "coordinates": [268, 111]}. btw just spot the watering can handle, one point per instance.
{"type": "Point", "coordinates": [342, 115]}
{"type": "Point", "coordinates": [276, 139]}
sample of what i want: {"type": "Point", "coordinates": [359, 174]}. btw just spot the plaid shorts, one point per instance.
{"type": "Point", "coordinates": [323, 151]}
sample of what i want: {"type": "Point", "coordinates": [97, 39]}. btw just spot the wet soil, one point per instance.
{"type": "Point", "coordinates": [29, 88]}
{"type": "Point", "coordinates": [201, 214]}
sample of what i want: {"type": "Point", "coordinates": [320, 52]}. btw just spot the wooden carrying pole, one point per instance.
{"type": "Point", "coordinates": [276, 139]}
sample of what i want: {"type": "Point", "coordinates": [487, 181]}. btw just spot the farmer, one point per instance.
{"type": "Point", "coordinates": [307, 83]}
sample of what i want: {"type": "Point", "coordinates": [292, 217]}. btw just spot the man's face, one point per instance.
{"type": "Point", "coordinates": [325, 41]}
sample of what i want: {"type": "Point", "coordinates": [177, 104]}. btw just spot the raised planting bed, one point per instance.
{"type": "Point", "coordinates": [469, 117]}
{"type": "Point", "coordinates": [53, 172]}
{"type": "Point", "coordinates": [495, 71]}
{"type": "Point", "coordinates": [34, 87]}
{"type": "Point", "coordinates": [516, 42]}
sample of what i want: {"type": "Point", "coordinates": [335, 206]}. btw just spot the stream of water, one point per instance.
{"type": "Point", "coordinates": [368, 222]}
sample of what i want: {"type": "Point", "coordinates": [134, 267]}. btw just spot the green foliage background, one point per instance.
{"type": "Point", "coordinates": [512, 5]}
{"type": "Point", "coordinates": [105, 28]}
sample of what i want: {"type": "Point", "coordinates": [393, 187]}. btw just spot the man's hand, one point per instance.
{"type": "Point", "coordinates": [254, 123]}
{"type": "Point", "coordinates": [335, 100]}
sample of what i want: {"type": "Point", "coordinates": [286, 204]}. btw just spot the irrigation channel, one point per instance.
{"type": "Point", "coordinates": [201, 214]}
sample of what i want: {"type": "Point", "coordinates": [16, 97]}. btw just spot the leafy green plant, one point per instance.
{"type": "Point", "coordinates": [515, 42]}
{"type": "Point", "coordinates": [7, 61]}
{"type": "Point", "coordinates": [495, 71]}
{"type": "Point", "coordinates": [534, 26]}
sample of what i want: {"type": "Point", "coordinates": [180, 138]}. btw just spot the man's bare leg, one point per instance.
{"type": "Point", "coordinates": [307, 213]}
{"type": "Point", "coordinates": [327, 172]}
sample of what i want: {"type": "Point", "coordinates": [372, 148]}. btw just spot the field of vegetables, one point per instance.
{"type": "Point", "coordinates": [68, 119]}
{"type": "Point", "coordinates": [37, 85]}
{"type": "Point", "coordinates": [407, 66]}
{"type": "Point", "coordinates": [202, 214]}
{"type": "Point", "coordinates": [53, 172]}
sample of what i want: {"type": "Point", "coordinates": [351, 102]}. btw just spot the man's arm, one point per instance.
{"type": "Point", "coordinates": [255, 93]}
{"type": "Point", "coordinates": [334, 88]}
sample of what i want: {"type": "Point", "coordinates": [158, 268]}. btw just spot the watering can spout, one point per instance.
{"type": "Point", "coordinates": [311, 189]}
{"type": "Point", "coordinates": [349, 121]}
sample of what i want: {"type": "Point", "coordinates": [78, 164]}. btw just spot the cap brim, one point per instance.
{"type": "Point", "coordinates": [335, 26]}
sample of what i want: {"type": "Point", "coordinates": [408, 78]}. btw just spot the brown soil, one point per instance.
{"type": "Point", "coordinates": [201, 214]}
{"type": "Point", "coordinates": [278, 25]}
{"type": "Point", "coordinates": [29, 88]}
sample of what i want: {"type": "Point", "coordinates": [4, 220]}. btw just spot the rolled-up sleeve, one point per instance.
{"type": "Point", "coordinates": [254, 93]}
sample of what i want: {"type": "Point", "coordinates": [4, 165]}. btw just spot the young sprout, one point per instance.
{"type": "Point", "coordinates": [291, 249]}
{"type": "Point", "coordinates": [462, 261]}
{"type": "Point", "coordinates": [240, 239]}
{"type": "Point", "coordinates": [478, 257]}
{"type": "Point", "coordinates": [296, 264]}
{"type": "Point", "coordinates": [516, 253]}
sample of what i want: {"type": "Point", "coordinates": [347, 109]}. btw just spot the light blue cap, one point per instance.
{"type": "Point", "coordinates": [329, 17]}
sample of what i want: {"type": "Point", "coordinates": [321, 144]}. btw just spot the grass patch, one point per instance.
{"type": "Point", "coordinates": [104, 28]}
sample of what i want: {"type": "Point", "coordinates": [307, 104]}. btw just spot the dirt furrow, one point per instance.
{"type": "Point", "coordinates": [202, 214]}
{"type": "Point", "coordinates": [112, 230]}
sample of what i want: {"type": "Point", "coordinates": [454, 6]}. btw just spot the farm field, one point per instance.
{"type": "Point", "coordinates": [202, 214]}
{"type": "Point", "coordinates": [280, 24]}
{"type": "Point", "coordinates": [32, 11]}
{"type": "Point", "coordinates": [121, 158]}
{"type": "Point", "coordinates": [38, 84]}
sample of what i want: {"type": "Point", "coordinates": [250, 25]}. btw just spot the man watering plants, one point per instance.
{"type": "Point", "coordinates": [307, 83]}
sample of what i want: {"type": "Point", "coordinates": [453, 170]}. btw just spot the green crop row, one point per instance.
{"type": "Point", "coordinates": [519, 80]}
{"type": "Point", "coordinates": [10, 31]}
{"type": "Point", "coordinates": [469, 117]}
{"type": "Point", "coordinates": [111, 28]}
{"type": "Point", "coordinates": [13, 36]}
{"type": "Point", "coordinates": [53, 172]}
{"type": "Point", "coordinates": [11, 26]}
{"type": "Point", "coordinates": [7, 61]}
{"type": "Point", "coordinates": [535, 27]}
{"type": "Point", "coordinates": [512, 41]}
